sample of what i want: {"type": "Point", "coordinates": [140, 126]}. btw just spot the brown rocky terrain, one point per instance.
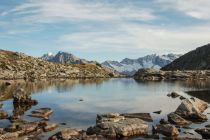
{"type": "Point", "coordinates": [14, 65]}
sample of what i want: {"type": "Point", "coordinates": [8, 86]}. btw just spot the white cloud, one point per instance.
{"type": "Point", "coordinates": [199, 9]}
{"type": "Point", "coordinates": [70, 10]}
{"type": "Point", "coordinates": [134, 38]}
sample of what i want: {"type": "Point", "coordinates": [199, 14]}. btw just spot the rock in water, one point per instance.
{"type": "Point", "coordinates": [42, 113]}
{"type": "Point", "coordinates": [192, 109]}
{"type": "Point", "coordinates": [166, 129]}
{"type": "Point", "coordinates": [174, 95]}
{"type": "Point", "coordinates": [21, 97]}
{"type": "Point", "coordinates": [50, 127]}
{"type": "Point", "coordinates": [176, 119]}
{"type": "Point", "coordinates": [120, 127]}
{"type": "Point", "coordinates": [204, 132]}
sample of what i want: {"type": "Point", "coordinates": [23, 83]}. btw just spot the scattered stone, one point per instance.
{"type": "Point", "coordinates": [144, 116]}
{"type": "Point", "coordinates": [192, 109]}
{"type": "Point", "coordinates": [1, 105]}
{"type": "Point", "coordinates": [166, 129]}
{"type": "Point", "coordinates": [174, 95]}
{"type": "Point", "coordinates": [3, 115]}
{"type": "Point", "coordinates": [157, 112]}
{"type": "Point", "coordinates": [176, 119]}
{"type": "Point", "coordinates": [204, 132]}
{"type": "Point", "coordinates": [42, 113]}
{"type": "Point", "coordinates": [81, 100]}
{"type": "Point", "coordinates": [50, 127]}
{"type": "Point", "coordinates": [67, 134]}
{"type": "Point", "coordinates": [208, 125]}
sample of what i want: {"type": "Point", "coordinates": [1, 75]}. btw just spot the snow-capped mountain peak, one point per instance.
{"type": "Point", "coordinates": [131, 66]}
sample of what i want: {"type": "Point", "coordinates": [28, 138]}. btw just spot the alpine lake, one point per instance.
{"type": "Point", "coordinates": [76, 103]}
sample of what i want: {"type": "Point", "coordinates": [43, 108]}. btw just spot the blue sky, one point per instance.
{"type": "Point", "coordinates": [104, 29]}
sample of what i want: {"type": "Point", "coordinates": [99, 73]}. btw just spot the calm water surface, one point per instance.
{"type": "Point", "coordinates": [103, 96]}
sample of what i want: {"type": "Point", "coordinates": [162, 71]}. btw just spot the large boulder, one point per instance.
{"type": "Point", "coordinates": [192, 109]}
{"type": "Point", "coordinates": [166, 129]}
{"type": "Point", "coordinates": [176, 119]}
{"type": "Point", "coordinates": [120, 127]}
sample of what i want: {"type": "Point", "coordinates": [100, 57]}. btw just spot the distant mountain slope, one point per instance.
{"type": "Point", "coordinates": [14, 65]}
{"type": "Point", "coordinates": [65, 58]}
{"type": "Point", "coordinates": [131, 66]}
{"type": "Point", "coordinates": [198, 59]}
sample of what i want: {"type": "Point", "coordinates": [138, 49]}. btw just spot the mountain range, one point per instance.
{"type": "Point", "coordinates": [126, 66]}
{"type": "Point", "coordinates": [131, 66]}
{"type": "Point", "coordinates": [198, 59]}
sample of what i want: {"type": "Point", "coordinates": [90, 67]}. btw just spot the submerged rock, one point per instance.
{"type": "Point", "coordinates": [192, 109]}
{"type": "Point", "coordinates": [166, 129]}
{"type": "Point", "coordinates": [123, 127]}
{"type": "Point", "coordinates": [42, 113]}
{"type": "Point", "coordinates": [176, 119]}
{"type": "Point", "coordinates": [3, 115]}
{"type": "Point", "coordinates": [143, 116]}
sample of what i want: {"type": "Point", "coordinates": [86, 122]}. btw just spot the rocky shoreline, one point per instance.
{"type": "Point", "coordinates": [150, 74]}
{"type": "Point", "coordinates": [108, 126]}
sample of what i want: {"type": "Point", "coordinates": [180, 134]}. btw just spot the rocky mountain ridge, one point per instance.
{"type": "Point", "coordinates": [14, 65]}
{"type": "Point", "coordinates": [65, 58]}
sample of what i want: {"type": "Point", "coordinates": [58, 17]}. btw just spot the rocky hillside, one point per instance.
{"type": "Point", "coordinates": [198, 59]}
{"type": "Point", "coordinates": [15, 65]}
{"type": "Point", "coordinates": [65, 58]}
{"type": "Point", "coordinates": [131, 66]}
